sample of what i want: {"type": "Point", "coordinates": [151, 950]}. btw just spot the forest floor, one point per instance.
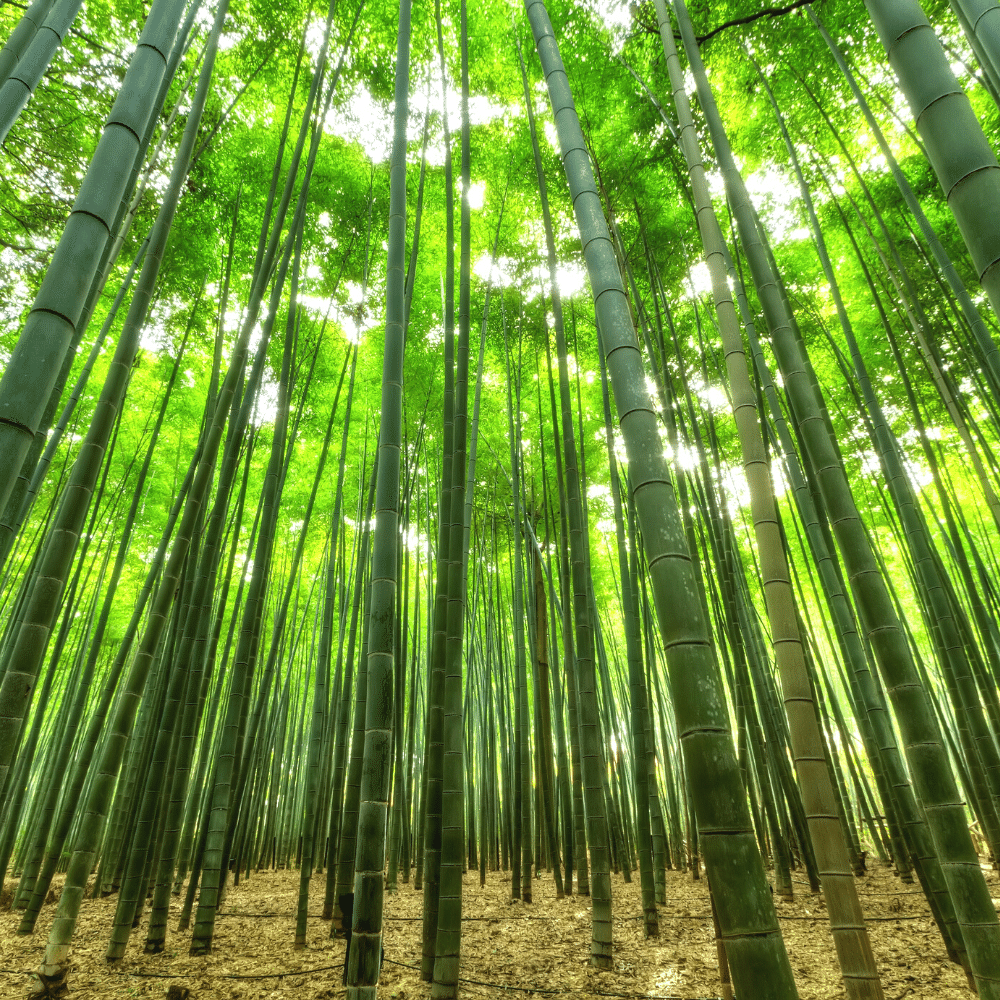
{"type": "Point", "coordinates": [510, 950]}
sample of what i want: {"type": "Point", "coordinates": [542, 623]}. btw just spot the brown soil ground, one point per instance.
{"type": "Point", "coordinates": [508, 949]}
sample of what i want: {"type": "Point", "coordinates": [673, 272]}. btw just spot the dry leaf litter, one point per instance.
{"type": "Point", "coordinates": [512, 950]}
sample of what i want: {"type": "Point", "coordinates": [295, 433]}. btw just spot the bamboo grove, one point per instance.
{"type": "Point", "coordinates": [666, 540]}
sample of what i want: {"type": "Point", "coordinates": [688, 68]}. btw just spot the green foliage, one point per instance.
{"type": "Point", "coordinates": [343, 281]}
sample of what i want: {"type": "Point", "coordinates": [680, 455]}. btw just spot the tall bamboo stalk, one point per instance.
{"type": "Point", "coordinates": [749, 925]}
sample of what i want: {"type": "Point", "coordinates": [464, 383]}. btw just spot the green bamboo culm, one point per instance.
{"type": "Point", "coordinates": [934, 783]}
{"type": "Point", "coordinates": [39, 454]}
{"type": "Point", "coordinates": [230, 775]}
{"type": "Point", "coordinates": [854, 950]}
{"type": "Point", "coordinates": [986, 343]}
{"type": "Point", "coordinates": [583, 629]}
{"type": "Point", "coordinates": [958, 150]}
{"type": "Point", "coordinates": [98, 799]}
{"type": "Point", "coordinates": [19, 39]}
{"type": "Point", "coordinates": [980, 20]}
{"type": "Point", "coordinates": [747, 918]}
{"type": "Point", "coordinates": [448, 941]}
{"type": "Point", "coordinates": [18, 686]}
{"type": "Point", "coordinates": [946, 617]}
{"type": "Point", "coordinates": [23, 78]}
{"type": "Point", "coordinates": [131, 892]}
{"type": "Point", "coordinates": [434, 731]}
{"type": "Point", "coordinates": [38, 356]}
{"type": "Point", "coordinates": [320, 730]}
{"type": "Point", "coordinates": [364, 960]}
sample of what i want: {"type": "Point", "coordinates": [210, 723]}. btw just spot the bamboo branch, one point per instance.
{"type": "Point", "coordinates": [736, 22]}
